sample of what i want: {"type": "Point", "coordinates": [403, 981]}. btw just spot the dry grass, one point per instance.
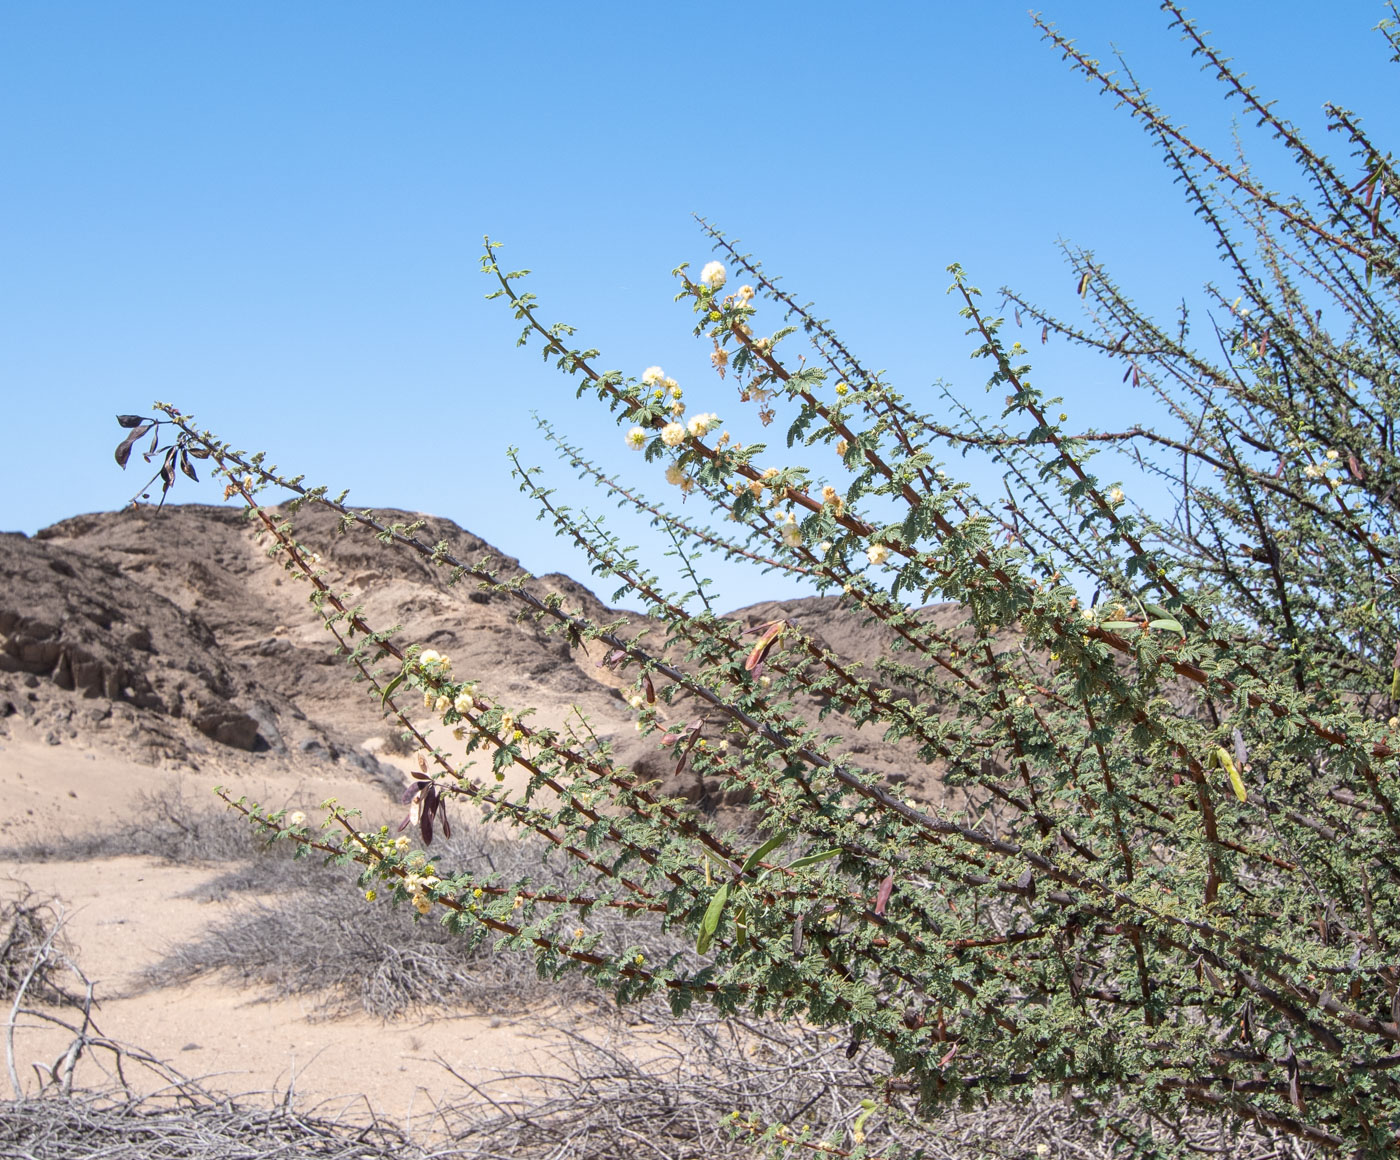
{"type": "Point", "coordinates": [638, 1083]}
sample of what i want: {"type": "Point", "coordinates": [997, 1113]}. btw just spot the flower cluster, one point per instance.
{"type": "Point", "coordinates": [714, 275]}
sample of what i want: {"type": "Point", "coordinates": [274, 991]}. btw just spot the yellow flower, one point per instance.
{"type": "Point", "coordinates": [842, 388]}
{"type": "Point", "coordinates": [370, 895]}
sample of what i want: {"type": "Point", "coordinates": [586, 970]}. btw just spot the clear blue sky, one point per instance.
{"type": "Point", "coordinates": [270, 214]}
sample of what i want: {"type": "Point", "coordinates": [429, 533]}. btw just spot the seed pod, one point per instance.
{"type": "Point", "coordinates": [1227, 763]}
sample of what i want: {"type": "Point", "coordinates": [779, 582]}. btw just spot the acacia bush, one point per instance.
{"type": "Point", "coordinates": [1177, 886]}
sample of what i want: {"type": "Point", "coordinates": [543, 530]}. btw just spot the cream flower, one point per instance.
{"type": "Point", "coordinates": [637, 701]}
{"type": "Point", "coordinates": [673, 434]}
{"type": "Point", "coordinates": [824, 547]}
{"type": "Point", "coordinates": [713, 275]}
{"type": "Point", "coordinates": [745, 294]}
{"type": "Point", "coordinates": [1115, 496]}
{"type": "Point", "coordinates": [652, 375]}
{"type": "Point", "coordinates": [296, 819]}
{"type": "Point", "coordinates": [464, 702]}
{"type": "Point", "coordinates": [637, 438]}
{"type": "Point", "coordinates": [442, 704]}
{"type": "Point", "coordinates": [877, 553]}
{"type": "Point", "coordinates": [701, 423]}
{"type": "Point", "coordinates": [842, 447]}
{"type": "Point", "coordinates": [792, 535]}
{"type": "Point", "coordinates": [1314, 471]}
{"type": "Point", "coordinates": [675, 474]}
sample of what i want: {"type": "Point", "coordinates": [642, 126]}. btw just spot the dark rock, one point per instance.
{"type": "Point", "coordinates": [227, 725]}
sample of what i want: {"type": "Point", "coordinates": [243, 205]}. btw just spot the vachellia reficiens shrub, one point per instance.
{"type": "Point", "coordinates": [1180, 882]}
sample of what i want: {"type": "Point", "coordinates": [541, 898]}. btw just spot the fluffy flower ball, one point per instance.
{"type": "Point", "coordinates": [792, 535]}
{"type": "Point", "coordinates": [713, 275]}
{"type": "Point", "coordinates": [673, 434]}
{"type": "Point", "coordinates": [877, 553]}
{"type": "Point", "coordinates": [296, 819]}
{"type": "Point", "coordinates": [637, 438]}
{"type": "Point", "coordinates": [701, 423]}
{"type": "Point", "coordinates": [652, 375]}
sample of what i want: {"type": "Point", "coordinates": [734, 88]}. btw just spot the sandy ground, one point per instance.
{"type": "Point", "coordinates": [125, 913]}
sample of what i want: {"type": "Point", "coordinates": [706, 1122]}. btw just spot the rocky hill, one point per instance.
{"type": "Point", "coordinates": [171, 638]}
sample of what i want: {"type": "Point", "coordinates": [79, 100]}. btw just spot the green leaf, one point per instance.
{"type": "Point", "coordinates": [1166, 622]}
{"type": "Point", "coordinates": [1120, 625]}
{"type": "Point", "coordinates": [710, 923]}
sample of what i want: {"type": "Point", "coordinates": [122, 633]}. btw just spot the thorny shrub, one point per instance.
{"type": "Point", "coordinates": [1182, 880]}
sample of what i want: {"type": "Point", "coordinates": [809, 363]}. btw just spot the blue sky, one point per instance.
{"type": "Point", "coordinates": [270, 214]}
